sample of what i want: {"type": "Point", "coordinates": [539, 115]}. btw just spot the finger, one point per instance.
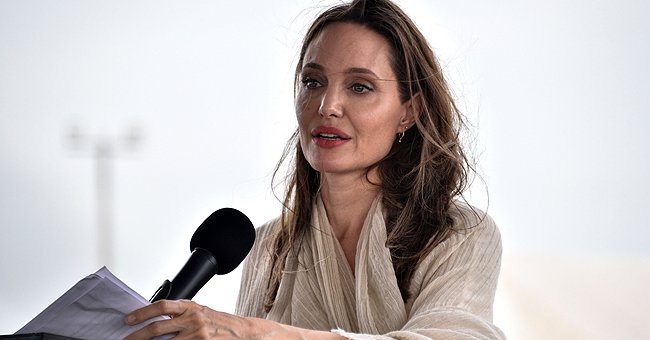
{"type": "Point", "coordinates": [158, 308]}
{"type": "Point", "coordinates": [154, 329]}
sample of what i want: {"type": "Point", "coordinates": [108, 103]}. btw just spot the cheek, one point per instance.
{"type": "Point", "coordinates": [303, 101]}
{"type": "Point", "coordinates": [303, 122]}
{"type": "Point", "coordinates": [305, 110]}
{"type": "Point", "coordinates": [379, 137]}
{"type": "Point", "coordinates": [384, 142]}
{"type": "Point", "coordinates": [303, 125]}
{"type": "Point", "coordinates": [301, 107]}
{"type": "Point", "coordinates": [381, 130]}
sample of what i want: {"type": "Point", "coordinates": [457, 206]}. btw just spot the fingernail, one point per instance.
{"type": "Point", "coordinates": [130, 319]}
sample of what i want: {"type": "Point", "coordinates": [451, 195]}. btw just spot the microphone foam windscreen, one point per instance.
{"type": "Point", "coordinates": [228, 235]}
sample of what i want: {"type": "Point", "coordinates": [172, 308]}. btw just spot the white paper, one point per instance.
{"type": "Point", "coordinates": [94, 308]}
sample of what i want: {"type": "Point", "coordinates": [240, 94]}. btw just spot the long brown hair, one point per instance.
{"type": "Point", "coordinates": [420, 176]}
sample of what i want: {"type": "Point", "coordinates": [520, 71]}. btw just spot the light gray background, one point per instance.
{"type": "Point", "coordinates": [557, 91]}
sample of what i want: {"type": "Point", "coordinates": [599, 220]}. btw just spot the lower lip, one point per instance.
{"type": "Point", "coordinates": [328, 143]}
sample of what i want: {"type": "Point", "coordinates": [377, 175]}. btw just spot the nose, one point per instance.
{"type": "Point", "coordinates": [331, 104]}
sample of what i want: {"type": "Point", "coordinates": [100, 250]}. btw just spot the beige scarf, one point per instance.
{"type": "Point", "coordinates": [319, 291]}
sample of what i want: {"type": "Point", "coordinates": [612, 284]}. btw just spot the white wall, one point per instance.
{"type": "Point", "coordinates": [557, 90]}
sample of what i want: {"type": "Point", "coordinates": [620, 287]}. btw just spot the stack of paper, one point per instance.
{"type": "Point", "coordinates": [94, 308]}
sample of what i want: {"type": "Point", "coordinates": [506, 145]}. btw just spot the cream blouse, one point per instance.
{"type": "Point", "coordinates": [452, 289]}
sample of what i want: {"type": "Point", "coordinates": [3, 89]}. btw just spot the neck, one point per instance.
{"type": "Point", "coordinates": [347, 200]}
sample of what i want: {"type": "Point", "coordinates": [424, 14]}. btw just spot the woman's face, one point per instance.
{"type": "Point", "coordinates": [348, 105]}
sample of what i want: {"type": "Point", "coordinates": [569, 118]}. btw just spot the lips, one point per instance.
{"type": "Point", "coordinates": [329, 137]}
{"type": "Point", "coordinates": [329, 133]}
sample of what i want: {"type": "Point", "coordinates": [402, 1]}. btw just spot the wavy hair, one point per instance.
{"type": "Point", "coordinates": [420, 176]}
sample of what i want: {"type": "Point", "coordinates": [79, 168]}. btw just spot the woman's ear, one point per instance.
{"type": "Point", "coordinates": [412, 111]}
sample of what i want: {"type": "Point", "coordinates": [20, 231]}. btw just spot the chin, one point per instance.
{"type": "Point", "coordinates": [326, 167]}
{"type": "Point", "coordinates": [338, 169]}
{"type": "Point", "coordinates": [338, 165]}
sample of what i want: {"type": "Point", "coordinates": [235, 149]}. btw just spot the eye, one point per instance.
{"type": "Point", "coordinates": [360, 88]}
{"type": "Point", "coordinates": [310, 83]}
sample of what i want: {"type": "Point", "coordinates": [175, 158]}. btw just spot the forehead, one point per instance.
{"type": "Point", "coordinates": [341, 46]}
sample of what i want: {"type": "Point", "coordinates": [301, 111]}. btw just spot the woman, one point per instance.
{"type": "Point", "coordinates": [372, 241]}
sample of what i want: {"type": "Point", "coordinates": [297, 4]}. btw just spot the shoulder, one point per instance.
{"type": "Point", "coordinates": [263, 236]}
{"type": "Point", "coordinates": [462, 271]}
{"type": "Point", "coordinates": [474, 245]}
{"type": "Point", "coordinates": [472, 225]}
{"type": "Point", "coordinates": [467, 217]}
{"type": "Point", "coordinates": [255, 273]}
{"type": "Point", "coordinates": [263, 232]}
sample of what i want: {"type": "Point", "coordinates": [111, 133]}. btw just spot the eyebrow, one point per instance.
{"type": "Point", "coordinates": [350, 70]}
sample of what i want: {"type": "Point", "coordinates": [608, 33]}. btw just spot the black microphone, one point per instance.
{"type": "Point", "coordinates": [218, 246]}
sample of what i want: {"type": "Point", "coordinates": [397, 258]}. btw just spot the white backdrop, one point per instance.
{"type": "Point", "coordinates": [557, 91]}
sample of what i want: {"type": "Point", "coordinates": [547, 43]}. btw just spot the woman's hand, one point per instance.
{"type": "Point", "coordinates": [191, 320]}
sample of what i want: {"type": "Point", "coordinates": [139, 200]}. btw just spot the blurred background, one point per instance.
{"type": "Point", "coordinates": [124, 124]}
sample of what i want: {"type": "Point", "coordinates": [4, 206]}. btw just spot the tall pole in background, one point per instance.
{"type": "Point", "coordinates": [103, 154]}
{"type": "Point", "coordinates": [104, 150]}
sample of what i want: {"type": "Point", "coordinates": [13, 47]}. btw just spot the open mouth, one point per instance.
{"type": "Point", "coordinates": [330, 136]}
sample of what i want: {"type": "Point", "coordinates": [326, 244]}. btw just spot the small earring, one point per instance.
{"type": "Point", "coordinates": [401, 135]}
